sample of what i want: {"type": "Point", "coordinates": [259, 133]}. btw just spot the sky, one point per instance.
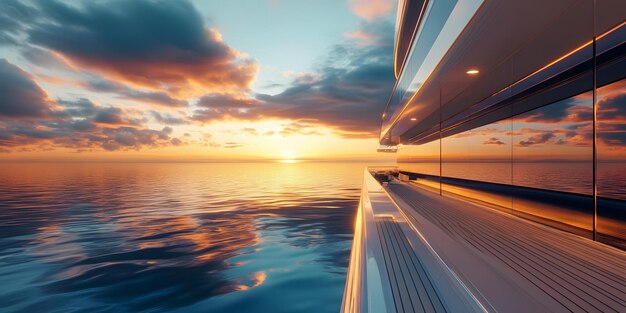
{"type": "Point", "coordinates": [194, 80]}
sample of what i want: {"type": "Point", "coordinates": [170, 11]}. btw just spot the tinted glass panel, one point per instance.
{"type": "Point", "coordinates": [421, 159]}
{"type": "Point", "coordinates": [553, 150]}
{"type": "Point", "coordinates": [476, 162]}
{"type": "Point", "coordinates": [611, 177]}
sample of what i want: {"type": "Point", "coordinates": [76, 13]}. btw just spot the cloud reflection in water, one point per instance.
{"type": "Point", "coordinates": [167, 237]}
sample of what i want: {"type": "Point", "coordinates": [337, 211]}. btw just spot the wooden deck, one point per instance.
{"type": "Point", "coordinates": [509, 264]}
{"type": "Point", "coordinates": [412, 288]}
{"type": "Point", "coordinates": [393, 268]}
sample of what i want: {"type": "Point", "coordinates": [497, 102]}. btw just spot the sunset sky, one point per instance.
{"type": "Point", "coordinates": [194, 80]}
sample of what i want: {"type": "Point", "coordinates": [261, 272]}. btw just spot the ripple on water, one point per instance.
{"type": "Point", "coordinates": [169, 237]}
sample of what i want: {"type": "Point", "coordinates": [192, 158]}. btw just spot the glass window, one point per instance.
{"type": "Point", "coordinates": [611, 166]}
{"type": "Point", "coordinates": [553, 150]}
{"type": "Point", "coordinates": [422, 160]}
{"type": "Point", "coordinates": [472, 161]}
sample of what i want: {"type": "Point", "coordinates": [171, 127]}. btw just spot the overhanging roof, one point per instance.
{"type": "Point", "coordinates": [507, 41]}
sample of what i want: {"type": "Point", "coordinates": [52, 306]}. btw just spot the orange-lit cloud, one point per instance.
{"type": "Point", "coordinates": [347, 93]}
{"type": "Point", "coordinates": [370, 9]}
{"type": "Point", "coordinates": [363, 37]}
{"type": "Point", "coordinates": [169, 50]}
{"type": "Point", "coordinates": [612, 120]}
{"type": "Point", "coordinates": [537, 139]}
{"type": "Point", "coordinates": [137, 76]}
{"type": "Point", "coordinates": [493, 141]}
{"type": "Point", "coordinates": [30, 121]}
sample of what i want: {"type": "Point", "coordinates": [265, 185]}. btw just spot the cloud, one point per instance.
{"type": "Point", "coordinates": [349, 93]}
{"type": "Point", "coordinates": [362, 37]}
{"type": "Point", "coordinates": [114, 116]}
{"type": "Point", "coordinates": [29, 120]}
{"type": "Point", "coordinates": [125, 92]}
{"type": "Point", "coordinates": [232, 145]}
{"type": "Point", "coordinates": [493, 141]}
{"type": "Point", "coordinates": [537, 139]}
{"type": "Point", "coordinates": [571, 110]}
{"type": "Point", "coordinates": [613, 107]}
{"type": "Point", "coordinates": [12, 14]}
{"type": "Point", "coordinates": [524, 131]}
{"type": "Point", "coordinates": [297, 128]}
{"type": "Point", "coordinates": [129, 137]}
{"type": "Point", "coordinates": [43, 58]}
{"type": "Point", "coordinates": [370, 9]}
{"type": "Point", "coordinates": [20, 96]}
{"type": "Point", "coordinates": [82, 135]}
{"type": "Point", "coordinates": [612, 115]}
{"type": "Point", "coordinates": [161, 45]}
{"type": "Point", "coordinates": [249, 131]}
{"type": "Point", "coordinates": [220, 106]}
{"type": "Point", "coordinates": [168, 119]}
{"type": "Point", "coordinates": [207, 140]}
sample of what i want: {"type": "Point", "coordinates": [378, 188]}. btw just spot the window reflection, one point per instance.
{"type": "Point", "coordinates": [421, 159]}
{"type": "Point", "coordinates": [611, 176]}
{"type": "Point", "coordinates": [553, 146]}
{"type": "Point", "coordinates": [473, 159]}
{"type": "Point", "coordinates": [553, 150]}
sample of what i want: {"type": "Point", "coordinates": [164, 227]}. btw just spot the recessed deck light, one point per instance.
{"type": "Point", "coordinates": [413, 119]}
{"type": "Point", "coordinates": [472, 71]}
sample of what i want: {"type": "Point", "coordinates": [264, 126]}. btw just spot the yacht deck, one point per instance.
{"type": "Point", "coordinates": [421, 252]}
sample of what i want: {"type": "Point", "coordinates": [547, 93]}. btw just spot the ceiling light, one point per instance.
{"type": "Point", "coordinates": [413, 119]}
{"type": "Point", "coordinates": [472, 71]}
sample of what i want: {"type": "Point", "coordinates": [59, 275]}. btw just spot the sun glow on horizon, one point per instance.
{"type": "Point", "coordinates": [288, 156]}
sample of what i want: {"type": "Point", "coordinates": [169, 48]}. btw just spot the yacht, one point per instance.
{"type": "Point", "coordinates": [508, 121]}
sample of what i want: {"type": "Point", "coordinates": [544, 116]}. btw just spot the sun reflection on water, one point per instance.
{"type": "Point", "coordinates": [176, 237]}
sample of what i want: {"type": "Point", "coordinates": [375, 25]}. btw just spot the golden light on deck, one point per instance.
{"type": "Point", "coordinates": [472, 71]}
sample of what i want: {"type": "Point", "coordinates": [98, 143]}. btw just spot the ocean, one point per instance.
{"type": "Point", "coordinates": [176, 237]}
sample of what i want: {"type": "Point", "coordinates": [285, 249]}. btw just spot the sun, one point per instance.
{"type": "Point", "coordinates": [288, 156]}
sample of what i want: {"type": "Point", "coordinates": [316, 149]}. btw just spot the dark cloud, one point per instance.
{"type": "Point", "coordinates": [549, 114]}
{"type": "Point", "coordinates": [77, 108]}
{"type": "Point", "coordinates": [348, 92]}
{"type": "Point", "coordinates": [612, 119]}
{"type": "Point", "coordinates": [612, 107]}
{"type": "Point", "coordinates": [493, 141]}
{"type": "Point", "coordinates": [20, 96]}
{"type": "Point", "coordinates": [114, 116]}
{"type": "Point", "coordinates": [82, 134]}
{"type": "Point", "coordinates": [84, 108]}
{"type": "Point", "coordinates": [129, 137]}
{"type": "Point", "coordinates": [29, 120]}
{"type": "Point", "coordinates": [571, 110]}
{"type": "Point", "coordinates": [13, 13]}
{"type": "Point", "coordinates": [163, 45]}
{"type": "Point", "coordinates": [218, 106]}
{"type": "Point", "coordinates": [537, 139]}
{"type": "Point", "coordinates": [168, 119]}
{"type": "Point", "coordinates": [125, 92]}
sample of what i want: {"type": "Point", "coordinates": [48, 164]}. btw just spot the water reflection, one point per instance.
{"type": "Point", "coordinates": [611, 143]}
{"type": "Point", "coordinates": [167, 237]}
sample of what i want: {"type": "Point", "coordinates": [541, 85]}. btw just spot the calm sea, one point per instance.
{"type": "Point", "coordinates": [179, 237]}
